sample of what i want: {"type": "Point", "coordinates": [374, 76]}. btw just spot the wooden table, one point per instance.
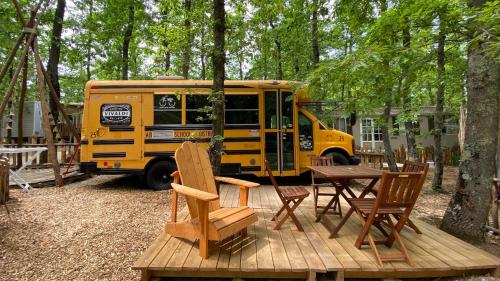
{"type": "Point", "coordinates": [340, 176]}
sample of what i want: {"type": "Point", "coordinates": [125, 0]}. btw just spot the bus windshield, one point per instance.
{"type": "Point", "coordinates": [322, 125]}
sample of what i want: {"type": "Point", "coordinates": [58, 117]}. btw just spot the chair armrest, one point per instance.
{"type": "Point", "coordinates": [176, 177]}
{"type": "Point", "coordinates": [238, 182]}
{"type": "Point", "coordinates": [195, 193]}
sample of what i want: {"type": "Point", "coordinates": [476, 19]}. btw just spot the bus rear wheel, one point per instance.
{"type": "Point", "coordinates": [158, 175]}
{"type": "Point", "coordinates": [338, 158]}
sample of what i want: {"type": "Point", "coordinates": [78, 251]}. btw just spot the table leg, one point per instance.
{"type": "Point", "coordinates": [343, 185]}
{"type": "Point", "coordinates": [336, 229]}
{"type": "Point", "coordinates": [368, 188]}
{"type": "Point", "coordinates": [336, 197]}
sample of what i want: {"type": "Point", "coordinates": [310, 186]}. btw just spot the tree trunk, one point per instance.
{"type": "Point", "coordinates": [438, 116]}
{"type": "Point", "coordinates": [89, 41]}
{"type": "Point", "coordinates": [203, 56]}
{"type": "Point", "coordinates": [240, 67]}
{"type": "Point", "coordinates": [314, 33]}
{"type": "Point", "coordinates": [218, 60]}
{"type": "Point", "coordinates": [279, 74]}
{"type": "Point", "coordinates": [389, 154]}
{"type": "Point", "coordinates": [467, 212]}
{"type": "Point", "coordinates": [461, 125]}
{"type": "Point", "coordinates": [55, 54]}
{"type": "Point", "coordinates": [409, 125]}
{"type": "Point", "coordinates": [127, 37]}
{"type": "Point", "coordinates": [186, 55]}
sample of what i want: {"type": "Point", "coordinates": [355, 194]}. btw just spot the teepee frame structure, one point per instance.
{"type": "Point", "coordinates": [28, 39]}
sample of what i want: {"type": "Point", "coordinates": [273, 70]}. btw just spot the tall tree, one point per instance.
{"type": "Point", "coordinates": [314, 33]}
{"type": "Point", "coordinates": [277, 42]}
{"type": "Point", "coordinates": [438, 116]}
{"type": "Point", "coordinates": [55, 52]}
{"type": "Point", "coordinates": [127, 37]}
{"type": "Point", "coordinates": [407, 79]}
{"type": "Point", "coordinates": [186, 55]}
{"type": "Point", "coordinates": [218, 61]}
{"type": "Point", "coordinates": [467, 212]}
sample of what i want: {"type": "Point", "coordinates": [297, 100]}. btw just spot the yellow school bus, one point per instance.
{"type": "Point", "coordinates": [136, 126]}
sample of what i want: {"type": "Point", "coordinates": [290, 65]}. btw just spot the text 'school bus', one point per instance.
{"type": "Point", "coordinates": [136, 126]}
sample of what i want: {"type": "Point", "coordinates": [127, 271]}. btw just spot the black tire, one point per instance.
{"type": "Point", "coordinates": [338, 158]}
{"type": "Point", "coordinates": [158, 175]}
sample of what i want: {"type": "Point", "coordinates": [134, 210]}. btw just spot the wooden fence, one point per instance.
{"type": "Point", "coordinates": [451, 156]}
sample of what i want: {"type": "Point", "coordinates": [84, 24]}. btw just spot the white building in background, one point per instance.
{"type": "Point", "coordinates": [368, 135]}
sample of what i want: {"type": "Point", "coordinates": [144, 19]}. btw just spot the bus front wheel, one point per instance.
{"type": "Point", "coordinates": [158, 175]}
{"type": "Point", "coordinates": [338, 158]}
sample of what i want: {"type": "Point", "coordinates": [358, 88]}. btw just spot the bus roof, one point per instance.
{"type": "Point", "coordinates": [191, 84]}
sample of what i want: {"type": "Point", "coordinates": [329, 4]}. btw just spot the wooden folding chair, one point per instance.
{"type": "Point", "coordinates": [397, 195]}
{"type": "Point", "coordinates": [288, 195]}
{"type": "Point", "coordinates": [317, 181]}
{"type": "Point", "coordinates": [409, 166]}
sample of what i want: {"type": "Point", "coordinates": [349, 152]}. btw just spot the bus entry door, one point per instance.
{"type": "Point", "coordinates": [115, 128]}
{"type": "Point", "coordinates": [278, 130]}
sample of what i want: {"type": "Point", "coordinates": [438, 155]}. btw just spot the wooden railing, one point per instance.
{"type": "Point", "coordinates": [64, 152]}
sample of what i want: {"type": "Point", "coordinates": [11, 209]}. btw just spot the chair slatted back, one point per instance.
{"type": "Point", "coordinates": [413, 166]}
{"type": "Point", "coordinates": [399, 189]}
{"type": "Point", "coordinates": [320, 161]}
{"type": "Point", "coordinates": [195, 171]}
{"type": "Point", "coordinates": [273, 180]}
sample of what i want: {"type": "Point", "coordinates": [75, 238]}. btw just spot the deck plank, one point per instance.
{"type": "Point", "coordinates": [193, 260]}
{"type": "Point", "coordinates": [151, 252]}
{"type": "Point", "coordinates": [161, 260]}
{"type": "Point", "coordinates": [235, 251]}
{"type": "Point", "coordinates": [179, 256]}
{"type": "Point", "coordinates": [264, 256]}
{"type": "Point", "coordinates": [295, 257]}
{"type": "Point", "coordinates": [347, 262]}
{"type": "Point", "coordinates": [249, 251]}
{"type": "Point", "coordinates": [280, 259]}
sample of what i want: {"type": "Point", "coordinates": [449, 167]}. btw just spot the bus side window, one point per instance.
{"type": "Point", "coordinates": [305, 133]}
{"type": "Point", "coordinates": [167, 109]}
{"type": "Point", "coordinates": [196, 109]}
{"type": "Point", "coordinates": [242, 109]}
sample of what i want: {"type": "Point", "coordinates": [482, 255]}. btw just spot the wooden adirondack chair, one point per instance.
{"type": "Point", "coordinates": [208, 220]}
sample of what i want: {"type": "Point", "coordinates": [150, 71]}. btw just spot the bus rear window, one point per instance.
{"type": "Point", "coordinates": [167, 109]}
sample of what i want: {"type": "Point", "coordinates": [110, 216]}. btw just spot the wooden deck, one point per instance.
{"type": "Point", "coordinates": [43, 177]}
{"type": "Point", "coordinates": [287, 253]}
